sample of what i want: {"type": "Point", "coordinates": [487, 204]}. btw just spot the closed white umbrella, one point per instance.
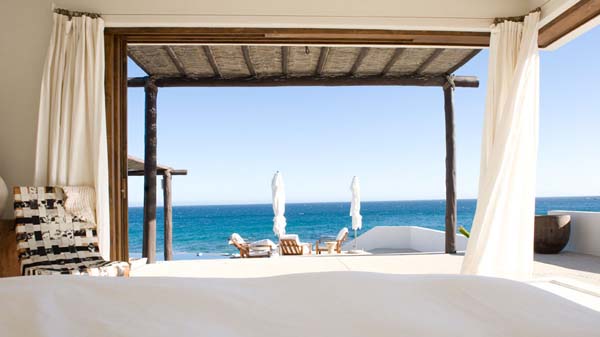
{"type": "Point", "coordinates": [355, 208]}
{"type": "Point", "coordinates": [278, 190]}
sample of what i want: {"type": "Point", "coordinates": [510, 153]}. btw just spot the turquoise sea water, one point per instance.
{"type": "Point", "coordinates": [205, 229]}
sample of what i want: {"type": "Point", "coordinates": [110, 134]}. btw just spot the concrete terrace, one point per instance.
{"type": "Point", "coordinates": [583, 268]}
{"type": "Point", "coordinates": [571, 275]}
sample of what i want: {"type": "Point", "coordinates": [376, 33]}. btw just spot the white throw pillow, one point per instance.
{"type": "Point", "coordinates": [235, 237]}
{"type": "Point", "coordinates": [341, 234]}
{"type": "Point", "coordinates": [81, 202]}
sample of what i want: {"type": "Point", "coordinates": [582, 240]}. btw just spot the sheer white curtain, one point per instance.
{"type": "Point", "coordinates": [501, 242]}
{"type": "Point", "coordinates": [71, 139]}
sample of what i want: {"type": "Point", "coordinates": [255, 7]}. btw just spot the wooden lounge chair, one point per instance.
{"type": "Point", "coordinates": [289, 244]}
{"type": "Point", "coordinates": [50, 240]}
{"type": "Point", "coordinates": [255, 249]}
{"type": "Point", "coordinates": [339, 239]}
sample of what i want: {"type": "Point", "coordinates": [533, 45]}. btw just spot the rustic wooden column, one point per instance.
{"type": "Point", "coordinates": [168, 210]}
{"type": "Point", "coordinates": [450, 170]}
{"type": "Point", "coordinates": [149, 243]}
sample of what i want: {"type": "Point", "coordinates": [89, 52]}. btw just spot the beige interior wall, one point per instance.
{"type": "Point", "coordinates": [24, 35]}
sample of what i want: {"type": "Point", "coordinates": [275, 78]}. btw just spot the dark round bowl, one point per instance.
{"type": "Point", "coordinates": [551, 233]}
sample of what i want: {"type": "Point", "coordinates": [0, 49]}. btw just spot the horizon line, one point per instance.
{"type": "Point", "coordinates": [345, 201]}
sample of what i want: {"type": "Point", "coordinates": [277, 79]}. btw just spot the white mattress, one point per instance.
{"type": "Point", "coordinates": [308, 305]}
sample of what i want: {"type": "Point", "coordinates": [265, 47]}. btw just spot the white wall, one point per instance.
{"type": "Point", "coordinates": [390, 237]}
{"type": "Point", "coordinates": [430, 240]}
{"type": "Point", "coordinates": [584, 238]}
{"type": "Point", "coordinates": [24, 35]}
{"type": "Point", "coordinates": [585, 232]}
{"type": "Point", "coordinates": [405, 237]}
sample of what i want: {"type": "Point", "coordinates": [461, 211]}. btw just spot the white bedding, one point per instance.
{"type": "Point", "coordinates": [308, 305]}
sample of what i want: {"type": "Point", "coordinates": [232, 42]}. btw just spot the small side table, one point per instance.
{"type": "Point", "coordinates": [330, 246]}
{"type": "Point", "coordinates": [9, 260]}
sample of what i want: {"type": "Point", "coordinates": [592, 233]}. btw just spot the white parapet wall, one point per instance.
{"type": "Point", "coordinates": [585, 232]}
{"type": "Point", "coordinates": [405, 238]}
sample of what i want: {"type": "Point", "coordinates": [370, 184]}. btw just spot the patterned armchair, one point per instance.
{"type": "Point", "coordinates": [52, 241]}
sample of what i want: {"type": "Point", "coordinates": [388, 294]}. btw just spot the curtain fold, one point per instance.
{"type": "Point", "coordinates": [71, 138]}
{"type": "Point", "coordinates": [501, 242]}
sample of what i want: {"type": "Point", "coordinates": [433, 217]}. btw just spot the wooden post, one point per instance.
{"type": "Point", "coordinates": [450, 171]}
{"type": "Point", "coordinates": [149, 243]}
{"type": "Point", "coordinates": [168, 210]}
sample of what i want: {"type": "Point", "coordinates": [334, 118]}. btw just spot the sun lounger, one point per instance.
{"type": "Point", "coordinates": [339, 240]}
{"type": "Point", "coordinates": [289, 244]}
{"type": "Point", "coordinates": [260, 248]}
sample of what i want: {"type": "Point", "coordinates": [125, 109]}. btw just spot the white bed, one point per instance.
{"type": "Point", "coordinates": [322, 304]}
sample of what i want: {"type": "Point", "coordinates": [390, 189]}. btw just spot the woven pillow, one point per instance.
{"type": "Point", "coordinates": [81, 202]}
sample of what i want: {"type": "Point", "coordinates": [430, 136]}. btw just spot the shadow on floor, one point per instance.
{"type": "Point", "coordinates": [581, 262]}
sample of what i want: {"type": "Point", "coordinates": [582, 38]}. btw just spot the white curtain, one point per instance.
{"type": "Point", "coordinates": [501, 242]}
{"type": "Point", "coordinates": [71, 139]}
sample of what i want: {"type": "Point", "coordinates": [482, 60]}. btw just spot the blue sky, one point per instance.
{"type": "Point", "coordinates": [232, 140]}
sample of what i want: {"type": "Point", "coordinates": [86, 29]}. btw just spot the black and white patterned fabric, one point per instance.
{"type": "Point", "coordinates": [52, 241]}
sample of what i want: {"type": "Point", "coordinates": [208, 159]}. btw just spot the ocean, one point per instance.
{"type": "Point", "coordinates": [202, 231]}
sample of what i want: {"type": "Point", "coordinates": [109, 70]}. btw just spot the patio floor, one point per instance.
{"type": "Point", "coordinates": [583, 268]}
{"type": "Point", "coordinates": [574, 276]}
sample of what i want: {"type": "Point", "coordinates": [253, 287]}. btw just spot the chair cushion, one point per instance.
{"type": "Point", "coordinates": [341, 233]}
{"type": "Point", "coordinates": [290, 237]}
{"type": "Point", "coordinates": [95, 268]}
{"type": "Point", "coordinates": [257, 253]}
{"type": "Point", "coordinates": [264, 242]}
{"type": "Point", "coordinates": [235, 237]}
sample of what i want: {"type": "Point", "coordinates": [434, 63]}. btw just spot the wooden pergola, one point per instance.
{"type": "Point", "coordinates": [245, 65]}
{"type": "Point", "coordinates": [137, 167]}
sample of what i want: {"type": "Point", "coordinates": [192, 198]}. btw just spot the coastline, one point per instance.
{"type": "Point", "coordinates": [201, 232]}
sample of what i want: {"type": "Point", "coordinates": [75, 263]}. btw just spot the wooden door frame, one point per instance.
{"type": "Point", "coordinates": [116, 40]}
{"type": "Point", "coordinates": [116, 128]}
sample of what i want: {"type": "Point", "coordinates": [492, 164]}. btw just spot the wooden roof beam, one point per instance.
{"type": "Point", "coordinates": [322, 60]}
{"type": "Point", "coordinates": [576, 16]}
{"type": "Point", "coordinates": [176, 61]}
{"type": "Point", "coordinates": [359, 59]}
{"type": "Point", "coordinates": [285, 55]}
{"type": "Point", "coordinates": [397, 53]}
{"type": "Point", "coordinates": [211, 60]}
{"type": "Point", "coordinates": [436, 53]}
{"type": "Point", "coordinates": [246, 53]}
{"type": "Point", "coordinates": [281, 81]}
{"type": "Point", "coordinates": [301, 36]}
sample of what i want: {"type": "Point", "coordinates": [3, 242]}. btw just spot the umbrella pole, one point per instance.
{"type": "Point", "coordinates": [355, 238]}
